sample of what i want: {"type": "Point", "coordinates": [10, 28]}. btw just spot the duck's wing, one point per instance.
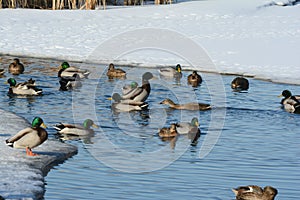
{"type": "Point", "coordinates": [184, 127]}
{"type": "Point", "coordinates": [19, 135]}
{"type": "Point", "coordinates": [167, 71]}
{"type": "Point", "coordinates": [134, 94]}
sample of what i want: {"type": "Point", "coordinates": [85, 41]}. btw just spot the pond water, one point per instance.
{"type": "Point", "coordinates": [257, 142]}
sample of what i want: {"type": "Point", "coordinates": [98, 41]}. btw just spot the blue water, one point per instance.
{"type": "Point", "coordinates": [258, 144]}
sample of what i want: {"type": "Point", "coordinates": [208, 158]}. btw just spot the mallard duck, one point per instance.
{"type": "Point", "coordinates": [68, 83]}
{"type": "Point", "coordinates": [187, 106]}
{"type": "Point", "coordinates": [168, 132]}
{"type": "Point", "coordinates": [240, 83]}
{"type": "Point", "coordinates": [2, 71]}
{"type": "Point", "coordinates": [113, 72]}
{"type": "Point", "coordinates": [30, 137]}
{"type": "Point", "coordinates": [171, 72]}
{"type": "Point", "coordinates": [191, 129]}
{"type": "Point", "coordinates": [68, 71]}
{"type": "Point", "coordinates": [194, 79]}
{"type": "Point", "coordinates": [253, 192]}
{"type": "Point", "coordinates": [73, 129]}
{"type": "Point", "coordinates": [140, 94]}
{"type": "Point", "coordinates": [291, 103]}
{"type": "Point", "coordinates": [129, 90]}
{"type": "Point", "coordinates": [16, 67]}
{"type": "Point", "coordinates": [26, 88]}
{"type": "Point", "coordinates": [126, 105]}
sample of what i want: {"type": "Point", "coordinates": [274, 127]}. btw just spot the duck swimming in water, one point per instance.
{"type": "Point", "coordinates": [291, 103]}
{"type": "Point", "coordinates": [171, 71]}
{"type": "Point", "coordinates": [68, 71]}
{"type": "Point", "coordinates": [194, 79]}
{"type": "Point", "coordinates": [187, 106]}
{"type": "Point", "coordinates": [26, 88]}
{"type": "Point", "coordinates": [240, 83]}
{"type": "Point", "coordinates": [74, 129]}
{"type": "Point", "coordinates": [126, 105]}
{"type": "Point", "coordinates": [30, 137]}
{"type": "Point", "coordinates": [113, 72]}
{"type": "Point", "coordinates": [16, 67]}
{"type": "Point", "coordinates": [254, 192]}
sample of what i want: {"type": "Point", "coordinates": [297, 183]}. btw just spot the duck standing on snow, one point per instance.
{"type": "Point", "coordinates": [240, 83]}
{"type": "Point", "coordinates": [16, 67]}
{"type": "Point", "coordinates": [126, 105]}
{"type": "Point", "coordinates": [291, 103]}
{"type": "Point", "coordinates": [171, 72]}
{"type": "Point", "coordinates": [140, 94]}
{"type": "Point", "coordinates": [74, 129]}
{"type": "Point", "coordinates": [113, 72]}
{"type": "Point", "coordinates": [26, 88]}
{"type": "Point", "coordinates": [30, 137]}
{"type": "Point", "coordinates": [254, 192]}
{"type": "Point", "coordinates": [194, 79]}
{"type": "Point", "coordinates": [187, 106]}
{"type": "Point", "coordinates": [69, 71]}
{"type": "Point", "coordinates": [69, 83]}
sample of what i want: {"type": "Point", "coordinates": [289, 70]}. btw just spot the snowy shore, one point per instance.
{"type": "Point", "coordinates": [22, 177]}
{"type": "Point", "coordinates": [241, 37]}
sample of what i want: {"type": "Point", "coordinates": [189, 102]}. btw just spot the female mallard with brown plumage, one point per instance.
{"type": "Point", "coordinates": [26, 88]}
{"type": "Point", "coordinates": [254, 192]}
{"type": "Point", "coordinates": [240, 83]}
{"type": "Point", "coordinates": [16, 67]}
{"type": "Point", "coordinates": [30, 137]}
{"type": "Point", "coordinates": [168, 132]}
{"type": "Point", "coordinates": [113, 72]}
{"type": "Point", "coordinates": [194, 79]}
{"type": "Point", "coordinates": [187, 106]}
{"type": "Point", "coordinates": [74, 129]}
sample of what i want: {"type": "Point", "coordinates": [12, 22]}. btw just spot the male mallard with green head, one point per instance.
{"type": "Point", "coordinates": [113, 72]}
{"type": "Point", "coordinates": [194, 79]}
{"type": "Point", "coordinates": [126, 105]}
{"type": "Point", "coordinates": [30, 137]}
{"type": "Point", "coordinates": [254, 192]}
{"type": "Point", "coordinates": [171, 71]}
{"type": "Point", "coordinates": [16, 67]}
{"type": "Point", "coordinates": [26, 88]}
{"type": "Point", "coordinates": [68, 71]}
{"type": "Point", "coordinates": [187, 106]}
{"type": "Point", "coordinates": [74, 129]}
{"type": "Point", "coordinates": [140, 94]}
{"type": "Point", "coordinates": [191, 129]}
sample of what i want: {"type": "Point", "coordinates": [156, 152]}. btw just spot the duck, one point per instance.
{"type": "Point", "coordinates": [291, 103]}
{"type": "Point", "coordinates": [26, 88]}
{"type": "Point", "coordinates": [168, 132]}
{"type": "Point", "coordinates": [254, 192]}
{"type": "Point", "coordinates": [30, 137]}
{"type": "Point", "coordinates": [16, 67]}
{"type": "Point", "coordinates": [191, 129]}
{"type": "Point", "coordinates": [74, 129]}
{"type": "Point", "coordinates": [2, 71]}
{"type": "Point", "coordinates": [68, 71]}
{"type": "Point", "coordinates": [68, 83]}
{"type": "Point", "coordinates": [171, 71]}
{"type": "Point", "coordinates": [187, 106]}
{"type": "Point", "coordinates": [141, 93]}
{"type": "Point", "coordinates": [129, 90]}
{"type": "Point", "coordinates": [240, 83]}
{"type": "Point", "coordinates": [126, 105]}
{"type": "Point", "coordinates": [194, 79]}
{"type": "Point", "coordinates": [113, 72]}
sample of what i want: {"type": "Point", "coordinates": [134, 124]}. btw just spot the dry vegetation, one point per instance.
{"type": "Point", "coordinates": [70, 4]}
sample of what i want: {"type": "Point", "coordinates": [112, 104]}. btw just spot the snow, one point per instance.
{"type": "Point", "coordinates": [239, 37]}
{"type": "Point", "coordinates": [21, 176]}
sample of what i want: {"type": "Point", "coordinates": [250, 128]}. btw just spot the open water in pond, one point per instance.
{"type": "Point", "coordinates": [257, 142]}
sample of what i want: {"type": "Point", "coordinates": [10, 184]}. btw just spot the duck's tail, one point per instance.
{"type": "Point", "coordinates": [8, 143]}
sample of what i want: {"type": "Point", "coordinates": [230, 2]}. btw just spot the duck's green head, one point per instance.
{"type": "Point", "coordinates": [286, 93]}
{"type": "Point", "coordinates": [133, 84]}
{"type": "Point", "coordinates": [65, 65]}
{"type": "Point", "coordinates": [88, 123]}
{"type": "Point", "coordinates": [178, 68]}
{"type": "Point", "coordinates": [37, 122]}
{"type": "Point", "coordinates": [11, 82]}
{"type": "Point", "coordinates": [195, 122]}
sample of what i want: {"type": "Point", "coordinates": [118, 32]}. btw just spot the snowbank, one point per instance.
{"type": "Point", "coordinates": [22, 176]}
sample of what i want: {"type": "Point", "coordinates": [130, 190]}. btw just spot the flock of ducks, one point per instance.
{"type": "Point", "coordinates": [133, 98]}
